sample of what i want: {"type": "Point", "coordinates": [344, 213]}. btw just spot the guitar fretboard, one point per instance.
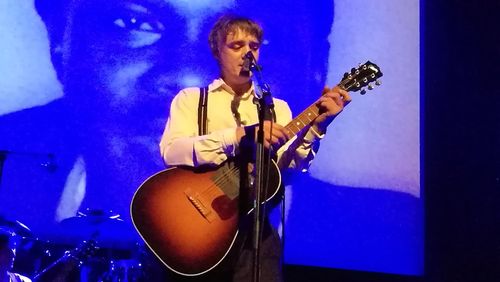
{"type": "Point", "coordinates": [302, 120]}
{"type": "Point", "coordinates": [312, 112]}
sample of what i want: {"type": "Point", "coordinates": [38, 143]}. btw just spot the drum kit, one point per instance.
{"type": "Point", "coordinates": [87, 250]}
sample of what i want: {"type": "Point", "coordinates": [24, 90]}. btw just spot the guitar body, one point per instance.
{"type": "Point", "coordinates": [188, 218]}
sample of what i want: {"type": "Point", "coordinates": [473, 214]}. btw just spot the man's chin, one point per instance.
{"type": "Point", "coordinates": [245, 73]}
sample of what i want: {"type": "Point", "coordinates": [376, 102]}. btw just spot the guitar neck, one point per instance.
{"type": "Point", "coordinates": [307, 116]}
{"type": "Point", "coordinates": [302, 120]}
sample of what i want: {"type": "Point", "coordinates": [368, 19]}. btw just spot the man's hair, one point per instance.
{"type": "Point", "coordinates": [229, 24]}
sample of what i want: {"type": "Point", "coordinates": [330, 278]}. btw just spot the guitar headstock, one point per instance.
{"type": "Point", "coordinates": [360, 77]}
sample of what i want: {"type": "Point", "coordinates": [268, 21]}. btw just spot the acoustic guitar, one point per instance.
{"type": "Point", "coordinates": [189, 217]}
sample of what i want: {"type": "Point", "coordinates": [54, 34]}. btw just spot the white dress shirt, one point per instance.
{"type": "Point", "coordinates": [181, 145]}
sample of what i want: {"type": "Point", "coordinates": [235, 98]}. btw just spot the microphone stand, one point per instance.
{"type": "Point", "coordinates": [264, 103]}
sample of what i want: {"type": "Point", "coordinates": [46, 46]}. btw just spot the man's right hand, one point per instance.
{"type": "Point", "coordinates": [275, 135]}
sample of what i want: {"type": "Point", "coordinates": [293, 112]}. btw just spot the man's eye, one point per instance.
{"type": "Point", "coordinates": [235, 46]}
{"type": "Point", "coordinates": [254, 46]}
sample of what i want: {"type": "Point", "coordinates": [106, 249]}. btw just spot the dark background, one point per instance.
{"type": "Point", "coordinates": [461, 140]}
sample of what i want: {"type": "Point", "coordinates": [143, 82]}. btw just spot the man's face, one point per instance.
{"type": "Point", "coordinates": [231, 53]}
{"type": "Point", "coordinates": [120, 61]}
{"type": "Point", "coordinates": [126, 58]}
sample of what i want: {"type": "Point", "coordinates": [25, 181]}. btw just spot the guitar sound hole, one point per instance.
{"type": "Point", "coordinates": [225, 207]}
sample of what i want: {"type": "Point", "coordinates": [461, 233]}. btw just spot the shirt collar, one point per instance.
{"type": "Point", "coordinates": [219, 83]}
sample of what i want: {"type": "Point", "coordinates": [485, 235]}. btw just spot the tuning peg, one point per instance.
{"type": "Point", "coordinates": [363, 91]}
{"type": "Point", "coordinates": [378, 82]}
{"type": "Point", "coordinates": [370, 86]}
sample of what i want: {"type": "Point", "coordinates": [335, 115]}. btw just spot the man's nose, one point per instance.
{"type": "Point", "coordinates": [245, 49]}
{"type": "Point", "coordinates": [176, 68]}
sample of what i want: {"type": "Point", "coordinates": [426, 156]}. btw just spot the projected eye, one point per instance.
{"type": "Point", "coordinates": [141, 33]}
{"type": "Point", "coordinates": [134, 23]}
{"type": "Point", "coordinates": [142, 27]}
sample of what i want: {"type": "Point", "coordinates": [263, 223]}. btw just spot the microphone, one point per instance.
{"type": "Point", "coordinates": [248, 60]}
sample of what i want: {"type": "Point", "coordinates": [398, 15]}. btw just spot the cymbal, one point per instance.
{"type": "Point", "coordinates": [106, 228]}
{"type": "Point", "coordinates": [14, 226]}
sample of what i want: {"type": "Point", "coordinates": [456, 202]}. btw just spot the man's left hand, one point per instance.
{"type": "Point", "coordinates": [331, 103]}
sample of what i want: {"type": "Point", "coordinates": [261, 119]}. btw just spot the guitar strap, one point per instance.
{"type": "Point", "coordinates": [202, 111]}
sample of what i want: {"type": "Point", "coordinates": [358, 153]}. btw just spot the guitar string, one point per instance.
{"type": "Point", "coordinates": [214, 189]}
{"type": "Point", "coordinates": [224, 178]}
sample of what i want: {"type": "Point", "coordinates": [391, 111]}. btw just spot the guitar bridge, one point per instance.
{"type": "Point", "coordinates": [199, 206]}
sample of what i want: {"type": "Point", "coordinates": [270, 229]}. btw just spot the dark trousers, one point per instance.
{"type": "Point", "coordinates": [238, 266]}
{"type": "Point", "coordinates": [270, 258]}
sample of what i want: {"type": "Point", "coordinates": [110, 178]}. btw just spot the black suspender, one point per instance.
{"type": "Point", "coordinates": [202, 111]}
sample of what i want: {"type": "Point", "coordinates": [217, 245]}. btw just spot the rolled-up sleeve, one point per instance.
{"type": "Point", "coordinates": [299, 151]}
